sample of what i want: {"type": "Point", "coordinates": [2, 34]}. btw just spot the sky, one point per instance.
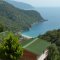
{"type": "Point", "coordinates": [42, 3]}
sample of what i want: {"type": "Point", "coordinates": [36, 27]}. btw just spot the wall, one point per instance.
{"type": "Point", "coordinates": [29, 56]}
{"type": "Point", "coordinates": [43, 56]}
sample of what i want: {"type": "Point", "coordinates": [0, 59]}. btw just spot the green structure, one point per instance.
{"type": "Point", "coordinates": [36, 46]}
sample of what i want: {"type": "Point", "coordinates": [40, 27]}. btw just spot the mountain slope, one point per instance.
{"type": "Point", "coordinates": [17, 19]}
{"type": "Point", "coordinates": [20, 5]}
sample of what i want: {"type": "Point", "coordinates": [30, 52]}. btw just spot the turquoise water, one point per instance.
{"type": "Point", "coordinates": [53, 17]}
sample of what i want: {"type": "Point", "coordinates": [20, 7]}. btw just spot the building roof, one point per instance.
{"type": "Point", "coordinates": [36, 46]}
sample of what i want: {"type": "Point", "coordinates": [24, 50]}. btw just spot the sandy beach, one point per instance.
{"type": "Point", "coordinates": [28, 37]}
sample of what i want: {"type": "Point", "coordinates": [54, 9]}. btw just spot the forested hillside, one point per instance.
{"type": "Point", "coordinates": [16, 19]}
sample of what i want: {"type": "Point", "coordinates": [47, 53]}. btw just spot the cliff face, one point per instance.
{"type": "Point", "coordinates": [16, 19]}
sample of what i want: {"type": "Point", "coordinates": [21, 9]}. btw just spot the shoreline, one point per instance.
{"type": "Point", "coordinates": [25, 36]}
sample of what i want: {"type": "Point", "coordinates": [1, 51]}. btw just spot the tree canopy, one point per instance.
{"type": "Point", "coordinates": [10, 48]}
{"type": "Point", "coordinates": [53, 53]}
{"type": "Point", "coordinates": [1, 28]}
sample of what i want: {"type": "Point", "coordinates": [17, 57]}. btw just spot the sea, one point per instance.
{"type": "Point", "coordinates": [52, 15]}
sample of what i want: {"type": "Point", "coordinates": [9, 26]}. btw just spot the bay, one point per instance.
{"type": "Point", "coordinates": [50, 14]}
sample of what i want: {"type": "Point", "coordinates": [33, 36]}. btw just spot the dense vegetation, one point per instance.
{"type": "Point", "coordinates": [16, 19]}
{"type": "Point", "coordinates": [53, 53]}
{"type": "Point", "coordinates": [10, 48]}
{"type": "Point", "coordinates": [1, 28]}
{"type": "Point", "coordinates": [54, 38]}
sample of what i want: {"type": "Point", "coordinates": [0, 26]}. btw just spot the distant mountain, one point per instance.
{"type": "Point", "coordinates": [16, 19]}
{"type": "Point", "coordinates": [21, 5]}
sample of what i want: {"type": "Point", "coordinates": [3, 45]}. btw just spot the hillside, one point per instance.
{"type": "Point", "coordinates": [17, 19]}
{"type": "Point", "coordinates": [54, 38]}
{"type": "Point", "coordinates": [20, 5]}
